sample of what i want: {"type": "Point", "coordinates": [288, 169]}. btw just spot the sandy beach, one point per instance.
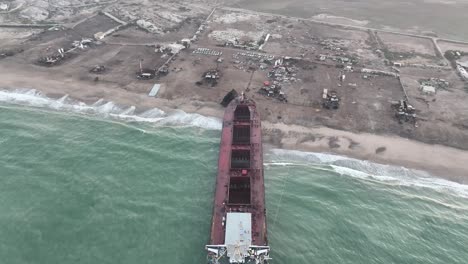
{"type": "Point", "coordinates": [441, 161]}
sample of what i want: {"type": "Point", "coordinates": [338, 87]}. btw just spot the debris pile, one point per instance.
{"type": "Point", "coordinates": [341, 58]}
{"type": "Point", "coordinates": [82, 44]}
{"type": "Point", "coordinates": [330, 99]}
{"type": "Point", "coordinates": [283, 72]}
{"type": "Point", "coordinates": [453, 55]}
{"type": "Point", "coordinates": [98, 69]}
{"type": "Point", "coordinates": [431, 85]}
{"type": "Point", "coordinates": [250, 59]}
{"type": "Point", "coordinates": [273, 90]}
{"type": "Point", "coordinates": [171, 48]}
{"type": "Point", "coordinates": [428, 90]}
{"type": "Point", "coordinates": [235, 17]}
{"type": "Point", "coordinates": [54, 59]}
{"type": "Point", "coordinates": [239, 39]}
{"type": "Point", "coordinates": [200, 30]}
{"type": "Point", "coordinates": [63, 54]}
{"type": "Point", "coordinates": [259, 56]}
{"type": "Point", "coordinates": [206, 51]}
{"type": "Point", "coordinates": [381, 73]}
{"type": "Point", "coordinates": [148, 26]}
{"type": "Point", "coordinates": [164, 70]}
{"type": "Point", "coordinates": [404, 112]}
{"type": "Point", "coordinates": [333, 45]}
{"type": "Point", "coordinates": [210, 77]}
{"type": "Point", "coordinates": [146, 74]}
{"type": "Point", "coordinates": [247, 45]}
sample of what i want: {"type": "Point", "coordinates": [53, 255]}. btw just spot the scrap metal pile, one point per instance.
{"type": "Point", "coordinates": [330, 99]}
{"type": "Point", "coordinates": [404, 112]}
{"type": "Point", "coordinates": [436, 83]}
{"type": "Point", "coordinates": [210, 77]}
{"type": "Point", "coordinates": [63, 54]}
{"type": "Point", "coordinates": [246, 60]}
{"type": "Point", "coordinates": [282, 73]}
{"type": "Point", "coordinates": [98, 69]}
{"type": "Point", "coordinates": [54, 59]}
{"type": "Point", "coordinates": [145, 74]}
{"type": "Point", "coordinates": [273, 90]}
{"type": "Point", "coordinates": [206, 51]}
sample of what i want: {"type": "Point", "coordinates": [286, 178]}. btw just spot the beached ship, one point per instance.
{"type": "Point", "coordinates": [238, 229]}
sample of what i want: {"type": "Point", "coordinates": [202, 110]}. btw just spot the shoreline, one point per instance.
{"type": "Point", "coordinates": [441, 161]}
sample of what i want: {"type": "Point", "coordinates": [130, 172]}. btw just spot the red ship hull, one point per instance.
{"type": "Point", "coordinates": [239, 204]}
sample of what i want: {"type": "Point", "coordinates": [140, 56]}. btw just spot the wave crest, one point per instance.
{"type": "Point", "coordinates": [103, 108]}
{"type": "Point", "coordinates": [366, 170]}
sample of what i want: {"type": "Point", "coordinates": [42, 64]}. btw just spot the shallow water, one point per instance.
{"type": "Point", "coordinates": [446, 18]}
{"type": "Point", "coordinates": [104, 184]}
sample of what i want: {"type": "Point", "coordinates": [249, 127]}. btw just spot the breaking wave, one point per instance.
{"type": "Point", "coordinates": [103, 108]}
{"type": "Point", "coordinates": [345, 166]}
{"type": "Point", "coordinates": [365, 170]}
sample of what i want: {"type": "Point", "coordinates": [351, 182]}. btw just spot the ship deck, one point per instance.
{"type": "Point", "coordinates": [240, 182]}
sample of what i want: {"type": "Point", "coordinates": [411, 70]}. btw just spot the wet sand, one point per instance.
{"type": "Point", "coordinates": [442, 161]}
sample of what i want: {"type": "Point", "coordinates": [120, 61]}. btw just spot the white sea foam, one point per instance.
{"type": "Point", "coordinates": [275, 157]}
{"type": "Point", "coordinates": [366, 170]}
{"type": "Point", "coordinates": [180, 117]}
{"type": "Point", "coordinates": [105, 108]}
{"type": "Point", "coordinates": [280, 164]}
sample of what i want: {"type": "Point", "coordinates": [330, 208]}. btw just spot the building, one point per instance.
{"type": "Point", "coordinates": [427, 89]}
{"type": "Point", "coordinates": [4, 6]}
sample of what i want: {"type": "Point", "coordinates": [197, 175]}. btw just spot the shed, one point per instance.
{"type": "Point", "coordinates": [429, 90]}
{"type": "Point", "coordinates": [4, 6]}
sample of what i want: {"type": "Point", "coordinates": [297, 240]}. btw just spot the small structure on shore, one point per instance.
{"type": "Point", "coordinates": [330, 99]}
{"type": "Point", "coordinates": [145, 73]}
{"type": "Point", "coordinates": [154, 91]}
{"type": "Point", "coordinates": [379, 72]}
{"type": "Point", "coordinates": [210, 77]}
{"type": "Point", "coordinates": [98, 69]}
{"type": "Point", "coordinates": [428, 90]}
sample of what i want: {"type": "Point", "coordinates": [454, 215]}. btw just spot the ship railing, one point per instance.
{"type": "Point", "coordinates": [258, 254]}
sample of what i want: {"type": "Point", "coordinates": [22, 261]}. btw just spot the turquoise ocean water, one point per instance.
{"type": "Point", "coordinates": [103, 184]}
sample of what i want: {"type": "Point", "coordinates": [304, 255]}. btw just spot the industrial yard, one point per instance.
{"type": "Point", "coordinates": [299, 71]}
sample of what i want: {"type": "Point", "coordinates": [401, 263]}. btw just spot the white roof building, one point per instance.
{"type": "Point", "coordinates": [4, 6]}
{"type": "Point", "coordinates": [427, 89]}
{"type": "Point", "coordinates": [238, 237]}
